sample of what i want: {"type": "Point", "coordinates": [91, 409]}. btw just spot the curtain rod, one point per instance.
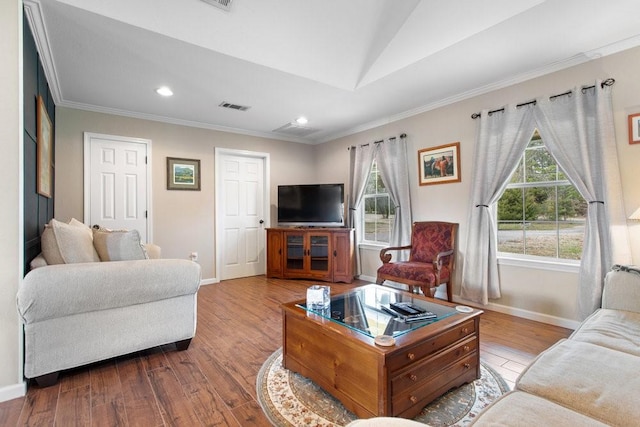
{"type": "Point", "coordinates": [402, 136]}
{"type": "Point", "coordinates": [607, 82]}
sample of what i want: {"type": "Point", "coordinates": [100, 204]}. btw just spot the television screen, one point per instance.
{"type": "Point", "coordinates": [311, 205]}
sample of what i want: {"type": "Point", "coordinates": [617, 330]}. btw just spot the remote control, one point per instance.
{"type": "Point", "coordinates": [406, 308]}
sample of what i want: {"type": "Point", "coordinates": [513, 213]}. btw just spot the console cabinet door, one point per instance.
{"type": "Point", "coordinates": [275, 246]}
{"type": "Point", "coordinates": [319, 255]}
{"type": "Point", "coordinates": [343, 256]}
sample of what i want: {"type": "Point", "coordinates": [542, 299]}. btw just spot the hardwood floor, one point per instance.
{"type": "Point", "coordinates": [213, 383]}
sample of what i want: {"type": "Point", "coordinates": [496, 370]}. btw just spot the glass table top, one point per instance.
{"type": "Point", "coordinates": [363, 310]}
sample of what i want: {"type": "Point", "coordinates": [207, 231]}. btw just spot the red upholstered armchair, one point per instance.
{"type": "Point", "coordinates": [431, 259]}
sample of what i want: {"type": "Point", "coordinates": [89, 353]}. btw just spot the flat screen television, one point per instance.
{"type": "Point", "coordinates": [311, 205]}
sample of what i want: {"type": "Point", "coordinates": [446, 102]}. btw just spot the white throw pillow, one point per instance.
{"type": "Point", "coordinates": [118, 245]}
{"type": "Point", "coordinates": [68, 243]}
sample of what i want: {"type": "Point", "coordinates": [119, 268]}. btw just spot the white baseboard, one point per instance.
{"type": "Point", "coordinates": [13, 391]}
{"type": "Point", "coordinates": [211, 281]}
{"type": "Point", "coordinates": [525, 314]}
{"type": "Point", "coordinates": [518, 312]}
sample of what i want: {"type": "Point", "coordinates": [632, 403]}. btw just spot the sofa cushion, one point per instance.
{"type": "Point", "coordinates": [622, 288]}
{"type": "Point", "coordinates": [120, 245]}
{"type": "Point", "coordinates": [596, 381]}
{"type": "Point", "coordinates": [519, 409]}
{"type": "Point", "coordinates": [614, 329]}
{"type": "Point", "coordinates": [68, 243]}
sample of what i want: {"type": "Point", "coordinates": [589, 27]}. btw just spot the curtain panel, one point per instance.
{"type": "Point", "coordinates": [578, 131]}
{"type": "Point", "coordinates": [500, 142]}
{"type": "Point", "coordinates": [391, 158]}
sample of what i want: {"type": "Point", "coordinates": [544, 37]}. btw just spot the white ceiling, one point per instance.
{"type": "Point", "coordinates": [347, 65]}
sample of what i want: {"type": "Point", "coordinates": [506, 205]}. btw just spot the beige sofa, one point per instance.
{"type": "Point", "coordinates": [77, 313]}
{"type": "Point", "coordinates": [589, 379]}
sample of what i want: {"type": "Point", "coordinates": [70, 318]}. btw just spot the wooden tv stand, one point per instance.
{"type": "Point", "coordinates": [325, 254]}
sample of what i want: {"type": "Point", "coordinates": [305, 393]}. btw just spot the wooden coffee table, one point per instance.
{"type": "Point", "coordinates": [336, 349]}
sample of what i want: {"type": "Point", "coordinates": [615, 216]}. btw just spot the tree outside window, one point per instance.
{"type": "Point", "coordinates": [541, 213]}
{"type": "Point", "coordinates": [378, 212]}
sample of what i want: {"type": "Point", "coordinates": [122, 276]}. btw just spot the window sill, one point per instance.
{"type": "Point", "coordinates": [566, 266]}
{"type": "Point", "coordinates": [372, 246]}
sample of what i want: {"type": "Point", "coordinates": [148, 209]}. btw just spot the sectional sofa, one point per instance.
{"type": "Point", "coordinates": [589, 379]}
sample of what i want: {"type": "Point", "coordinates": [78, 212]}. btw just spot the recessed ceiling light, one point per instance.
{"type": "Point", "coordinates": [164, 91]}
{"type": "Point", "coordinates": [302, 120]}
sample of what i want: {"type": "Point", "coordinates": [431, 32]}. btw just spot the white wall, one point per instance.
{"type": "Point", "coordinates": [11, 247]}
{"type": "Point", "coordinates": [546, 295]}
{"type": "Point", "coordinates": [183, 221]}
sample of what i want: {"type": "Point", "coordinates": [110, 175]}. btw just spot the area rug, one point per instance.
{"type": "Point", "coordinates": [289, 399]}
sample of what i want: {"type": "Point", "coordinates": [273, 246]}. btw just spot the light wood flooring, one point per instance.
{"type": "Point", "coordinates": [213, 382]}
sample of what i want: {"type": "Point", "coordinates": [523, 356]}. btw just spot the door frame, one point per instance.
{"type": "Point", "coordinates": [88, 137]}
{"type": "Point", "coordinates": [219, 155]}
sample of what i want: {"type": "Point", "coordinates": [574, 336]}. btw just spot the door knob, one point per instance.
{"type": "Point", "coordinates": [261, 221]}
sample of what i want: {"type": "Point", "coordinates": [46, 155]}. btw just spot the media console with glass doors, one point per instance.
{"type": "Point", "coordinates": [325, 254]}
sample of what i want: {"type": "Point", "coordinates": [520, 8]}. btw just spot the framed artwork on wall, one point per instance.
{"type": "Point", "coordinates": [634, 128]}
{"type": "Point", "coordinates": [183, 174]}
{"type": "Point", "coordinates": [44, 147]}
{"type": "Point", "coordinates": [439, 165]}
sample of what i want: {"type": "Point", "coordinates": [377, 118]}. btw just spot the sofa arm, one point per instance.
{"type": "Point", "coordinates": [622, 289]}
{"type": "Point", "coordinates": [66, 289]}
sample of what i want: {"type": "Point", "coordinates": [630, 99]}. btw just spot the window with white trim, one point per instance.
{"type": "Point", "coordinates": [541, 213]}
{"type": "Point", "coordinates": [377, 211]}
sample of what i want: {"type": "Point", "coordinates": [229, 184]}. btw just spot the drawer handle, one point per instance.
{"type": "Point", "coordinates": [413, 377]}
{"type": "Point", "coordinates": [465, 348]}
{"type": "Point", "coordinates": [465, 330]}
{"type": "Point", "coordinates": [411, 356]}
{"type": "Point", "coordinates": [413, 399]}
{"type": "Point", "coordinates": [467, 366]}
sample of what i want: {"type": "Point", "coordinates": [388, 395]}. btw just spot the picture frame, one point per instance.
{"type": "Point", "coordinates": [44, 142]}
{"type": "Point", "coordinates": [183, 174]}
{"type": "Point", "coordinates": [431, 161]}
{"type": "Point", "coordinates": [634, 128]}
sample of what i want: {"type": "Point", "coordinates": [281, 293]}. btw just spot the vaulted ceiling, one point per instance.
{"type": "Point", "coordinates": [346, 65]}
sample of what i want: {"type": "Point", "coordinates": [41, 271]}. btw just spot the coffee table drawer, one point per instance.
{"type": "Point", "coordinates": [430, 346]}
{"type": "Point", "coordinates": [433, 365]}
{"type": "Point", "coordinates": [416, 398]}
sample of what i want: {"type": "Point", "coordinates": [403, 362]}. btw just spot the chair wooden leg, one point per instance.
{"type": "Point", "coordinates": [449, 291]}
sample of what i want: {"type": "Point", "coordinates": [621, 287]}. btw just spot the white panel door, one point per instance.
{"type": "Point", "coordinates": [117, 183]}
{"type": "Point", "coordinates": [240, 213]}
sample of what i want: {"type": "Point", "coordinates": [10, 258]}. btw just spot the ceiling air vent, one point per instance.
{"type": "Point", "coordinates": [295, 129]}
{"type": "Point", "coordinates": [225, 104]}
{"type": "Point", "coordinates": [222, 4]}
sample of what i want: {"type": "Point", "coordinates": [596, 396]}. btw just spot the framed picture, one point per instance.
{"type": "Point", "coordinates": [183, 174]}
{"type": "Point", "coordinates": [439, 165]}
{"type": "Point", "coordinates": [634, 128]}
{"type": "Point", "coordinates": [44, 143]}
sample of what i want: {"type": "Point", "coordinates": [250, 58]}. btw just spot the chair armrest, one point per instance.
{"type": "Point", "coordinates": [622, 289]}
{"type": "Point", "coordinates": [437, 261]}
{"type": "Point", "coordinates": [385, 257]}
{"type": "Point", "coordinates": [67, 289]}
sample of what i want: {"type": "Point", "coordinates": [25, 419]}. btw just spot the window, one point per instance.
{"type": "Point", "coordinates": [541, 213]}
{"type": "Point", "coordinates": [377, 212]}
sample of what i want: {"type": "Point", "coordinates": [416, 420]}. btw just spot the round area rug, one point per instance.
{"type": "Point", "coordinates": [289, 399]}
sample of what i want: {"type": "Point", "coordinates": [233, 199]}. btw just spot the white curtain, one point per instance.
{"type": "Point", "coordinates": [578, 131]}
{"type": "Point", "coordinates": [391, 158]}
{"type": "Point", "coordinates": [361, 160]}
{"type": "Point", "coordinates": [501, 140]}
